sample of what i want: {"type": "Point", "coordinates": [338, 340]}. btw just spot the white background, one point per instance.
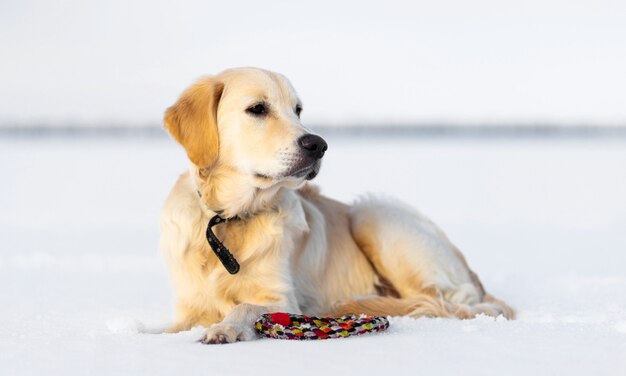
{"type": "Point", "coordinates": [353, 62]}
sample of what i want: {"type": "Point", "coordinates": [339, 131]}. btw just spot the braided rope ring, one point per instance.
{"type": "Point", "coordinates": [280, 325]}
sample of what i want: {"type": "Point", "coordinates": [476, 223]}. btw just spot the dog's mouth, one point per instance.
{"type": "Point", "coordinates": [263, 177]}
{"type": "Point", "coordinates": [308, 171]}
{"type": "Point", "coordinates": [301, 170]}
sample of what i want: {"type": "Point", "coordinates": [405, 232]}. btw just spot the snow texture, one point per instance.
{"type": "Point", "coordinates": [83, 289]}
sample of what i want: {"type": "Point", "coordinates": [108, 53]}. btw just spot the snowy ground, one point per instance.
{"type": "Point", "coordinates": [542, 222]}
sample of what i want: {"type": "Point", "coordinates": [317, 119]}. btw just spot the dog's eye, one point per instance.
{"type": "Point", "coordinates": [298, 110]}
{"type": "Point", "coordinates": [258, 109]}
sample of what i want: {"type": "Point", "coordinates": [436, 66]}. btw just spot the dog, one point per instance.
{"type": "Point", "coordinates": [276, 243]}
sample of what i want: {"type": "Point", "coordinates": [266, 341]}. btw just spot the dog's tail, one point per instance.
{"type": "Point", "coordinates": [423, 305]}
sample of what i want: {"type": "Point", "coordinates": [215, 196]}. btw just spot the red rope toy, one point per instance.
{"type": "Point", "coordinates": [280, 325]}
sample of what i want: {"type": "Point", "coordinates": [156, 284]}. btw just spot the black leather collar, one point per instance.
{"type": "Point", "coordinates": [223, 254]}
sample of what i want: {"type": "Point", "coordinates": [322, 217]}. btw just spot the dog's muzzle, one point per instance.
{"type": "Point", "coordinates": [312, 149]}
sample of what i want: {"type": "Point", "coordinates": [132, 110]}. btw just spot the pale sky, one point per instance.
{"type": "Point", "coordinates": [352, 62]}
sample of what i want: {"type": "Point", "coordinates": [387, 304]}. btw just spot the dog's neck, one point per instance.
{"type": "Point", "coordinates": [220, 212]}
{"type": "Point", "coordinates": [229, 195]}
{"type": "Point", "coordinates": [231, 202]}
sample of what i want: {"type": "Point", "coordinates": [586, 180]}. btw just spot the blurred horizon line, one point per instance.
{"type": "Point", "coordinates": [424, 130]}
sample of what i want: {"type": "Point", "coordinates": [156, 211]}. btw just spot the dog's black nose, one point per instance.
{"type": "Point", "coordinates": [314, 145]}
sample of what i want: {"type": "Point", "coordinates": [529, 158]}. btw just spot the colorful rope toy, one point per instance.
{"type": "Point", "coordinates": [280, 325]}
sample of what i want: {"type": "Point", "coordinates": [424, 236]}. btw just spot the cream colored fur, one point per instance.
{"type": "Point", "coordinates": [299, 251]}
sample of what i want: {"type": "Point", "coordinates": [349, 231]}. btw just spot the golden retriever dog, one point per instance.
{"type": "Point", "coordinates": [274, 242]}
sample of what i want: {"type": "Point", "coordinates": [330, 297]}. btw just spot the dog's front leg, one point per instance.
{"type": "Point", "coordinates": [238, 325]}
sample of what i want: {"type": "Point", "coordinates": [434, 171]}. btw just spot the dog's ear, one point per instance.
{"type": "Point", "coordinates": [192, 121]}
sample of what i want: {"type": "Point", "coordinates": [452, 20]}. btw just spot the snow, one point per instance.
{"type": "Point", "coordinates": [84, 291]}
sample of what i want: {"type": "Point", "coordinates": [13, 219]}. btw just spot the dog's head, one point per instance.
{"type": "Point", "coordinates": [242, 131]}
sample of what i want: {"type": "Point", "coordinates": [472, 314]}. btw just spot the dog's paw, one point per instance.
{"type": "Point", "coordinates": [226, 333]}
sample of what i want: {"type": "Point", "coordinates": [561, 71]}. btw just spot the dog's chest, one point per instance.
{"type": "Point", "coordinates": [264, 247]}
